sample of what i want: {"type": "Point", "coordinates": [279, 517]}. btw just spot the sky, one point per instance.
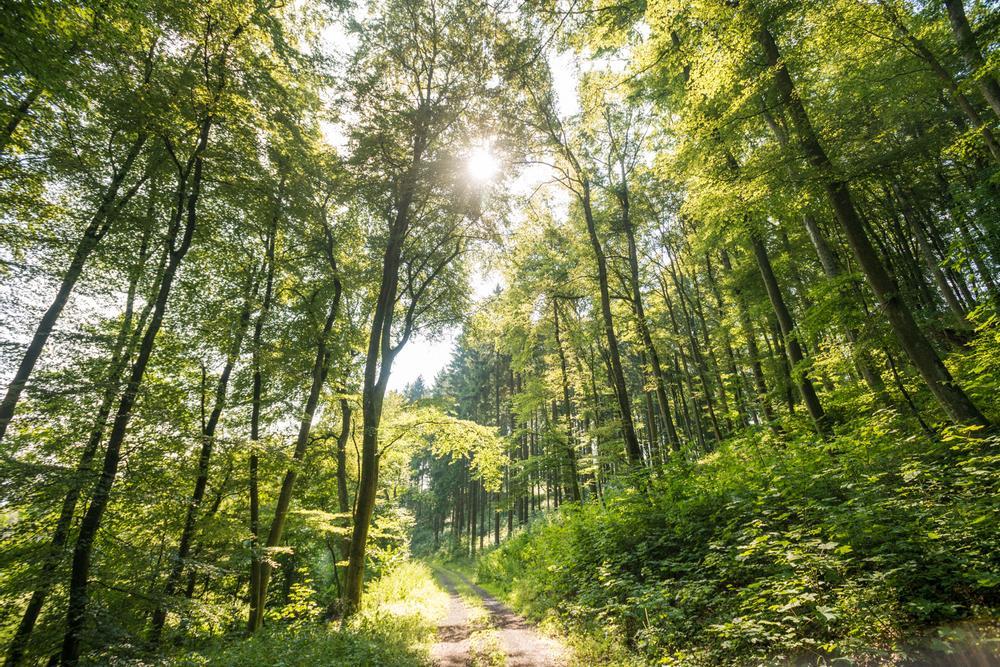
{"type": "Point", "coordinates": [423, 357]}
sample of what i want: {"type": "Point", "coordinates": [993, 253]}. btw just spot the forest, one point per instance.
{"type": "Point", "coordinates": [717, 285]}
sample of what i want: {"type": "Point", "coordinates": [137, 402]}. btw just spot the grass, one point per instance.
{"type": "Point", "coordinates": [394, 628]}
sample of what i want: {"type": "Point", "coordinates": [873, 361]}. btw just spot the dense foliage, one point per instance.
{"type": "Point", "coordinates": [735, 361]}
{"type": "Point", "coordinates": [757, 553]}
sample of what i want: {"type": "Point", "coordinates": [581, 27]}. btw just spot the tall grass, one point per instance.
{"type": "Point", "coordinates": [395, 627]}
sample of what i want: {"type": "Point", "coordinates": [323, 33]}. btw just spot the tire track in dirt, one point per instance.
{"type": "Point", "coordinates": [520, 641]}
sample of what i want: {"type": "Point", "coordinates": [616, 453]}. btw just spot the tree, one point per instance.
{"type": "Point", "coordinates": [422, 76]}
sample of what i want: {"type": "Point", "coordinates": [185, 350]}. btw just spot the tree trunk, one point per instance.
{"type": "Point", "coordinates": [974, 245]}
{"type": "Point", "coordinates": [640, 316]}
{"type": "Point", "coordinates": [971, 54]}
{"type": "Point", "coordinates": [255, 406]}
{"type": "Point", "coordinates": [930, 261]}
{"type": "Point", "coordinates": [697, 305]}
{"type": "Point", "coordinates": [201, 478]}
{"type": "Point", "coordinates": [343, 500]}
{"type": "Point", "coordinates": [82, 551]}
{"type": "Point", "coordinates": [122, 350]}
{"type": "Point", "coordinates": [321, 365]}
{"type": "Point", "coordinates": [947, 80]}
{"type": "Point", "coordinates": [956, 404]}
{"type": "Point", "coordinates": [754, 351]}
{"type": "Point", "coordinates": [731, 368]}
{"type": "Point", "coordinates": [473, 514]}
{"type": "Point", "coordinates": [20, 113]}
{"type": "Point", "coordinates": [111, 205]}
{"type": "Point", "coordinates": [378, 364]}
{"type": "Point", "coordinates": [790, 336]}
{"type": "Point", "coordinates": [632, 451]}
{"type": "Point", "coordinates": [567, 411]}
{"type": "Point", "coordinates": [831, 267]}
{"type": "Point", "coordinates": [697, 358]}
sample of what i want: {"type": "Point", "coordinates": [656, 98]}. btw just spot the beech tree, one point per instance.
{"type": "Point", "coordinates": [420, 104]}
{"type": "Point", "coordinates": [712, 277]}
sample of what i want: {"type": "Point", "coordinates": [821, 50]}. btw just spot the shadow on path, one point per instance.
{"type": "Point", "coordinates": [523, 645]}
{"type": "Point", "coordinates": [452, 646]}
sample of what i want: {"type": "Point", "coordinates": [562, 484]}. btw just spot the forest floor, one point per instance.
{"type": "Point", "coordinates": [481, 631]}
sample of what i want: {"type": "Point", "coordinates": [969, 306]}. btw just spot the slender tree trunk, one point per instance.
{"type": "Point", "coordinates": [209, 515]}
{"type": "Point", "coordinates": [790, 336]}
{"type": "Point", "coordinates": [955, 402]}
{"type": "Point", "coordinates": [906, 251]}
{"type": "Point", "coordinates": [82, 551]}
{"type": "Point", "coordinates": [831, 267]}
{"type": "Point", "coordinates": [754, 352]}
{"type": "Point", "coordinates": [930, 261]}
{"type": "Point", "coordinates": [204, 459]}
{"type": "Point", "coordinates": [906, 396]}
{"type": "Point", "coordinates": [731, 368]}
{"type": "Point", "coordinates": [484, 525]}
{"type": "Point", "coordinates": [321, 365]}
{"type": "Point", "coordinates": [378, 364]}
{"type": "Point", "coordinates": [697, 305]}
{"type": "Point", "coordinates": [677, 387]}
{"type": "Point", "coordinates": [343, 500]}
{"type": "Point", "coordinates": [20, 113]}
{"type": "Point", "coordinates": [255, 407]}
{"type": "Point", "coordinates": [653, 435]}
{"type": "Point", "coordinates": [697, 358]}
{"type": "Point", "coordinates": [371, 413]}
{"type": "Point", "coordinates": [643, 324]}
{"type": "Point", "coordinates": [774, 340]}
{"type": "Point", "coordinates": [473, 513]}
{"type": "Point", "coordinates": [632, 451]}
{"type": "Point", "coordinates": [122, 350]}
{"type": "Point", "coordinates": [691, 418]}
{"type": "Point", "coordinates": [974, 245]}
{"type": "Point", "coordinates": [966, 106]}
{"type": "Point", "coordinates": [567, 411]}
{"type": "Point", "coordinates": [100, 223]}
{"type": "Point", "coordinates": [971, 53]}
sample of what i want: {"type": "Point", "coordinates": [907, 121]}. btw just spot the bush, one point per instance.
{"type": "Point", "coordinates": [757, 553]}
{"type": "Point", "coordinates": [395, 627]}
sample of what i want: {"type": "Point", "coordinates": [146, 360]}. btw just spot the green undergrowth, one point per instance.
{"type": "Point", "coordinates": [395, 627]}
{"type": "Point", "coordinates": [774, 551]}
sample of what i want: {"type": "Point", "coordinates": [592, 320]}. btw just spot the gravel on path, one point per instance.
{"type": "Point", "coordinates": [523, 645]}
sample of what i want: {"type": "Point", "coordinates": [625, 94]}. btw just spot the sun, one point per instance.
{"type": "Point", "coordinates": [482, 164]}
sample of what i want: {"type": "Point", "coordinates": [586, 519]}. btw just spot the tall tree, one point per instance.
{"type": "Point", "coordinates": [121, 185]}
{"type": "Point", "coordinates": [421, 78]}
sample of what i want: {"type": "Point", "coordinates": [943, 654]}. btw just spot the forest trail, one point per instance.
{"type": "Point", "coordinates": [491, 634]}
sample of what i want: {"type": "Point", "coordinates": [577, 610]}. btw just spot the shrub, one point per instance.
{"type": "Point", "coordinates": [752, 553]}
{"type": "Point", "coordinates": [395, 627]}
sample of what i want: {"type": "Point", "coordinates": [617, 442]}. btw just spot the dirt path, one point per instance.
{"type": "Point", "coordinates": [519, 642]}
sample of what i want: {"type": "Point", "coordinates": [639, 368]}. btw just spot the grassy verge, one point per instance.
{"type": "Point", "coordinates": [396, 626]}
